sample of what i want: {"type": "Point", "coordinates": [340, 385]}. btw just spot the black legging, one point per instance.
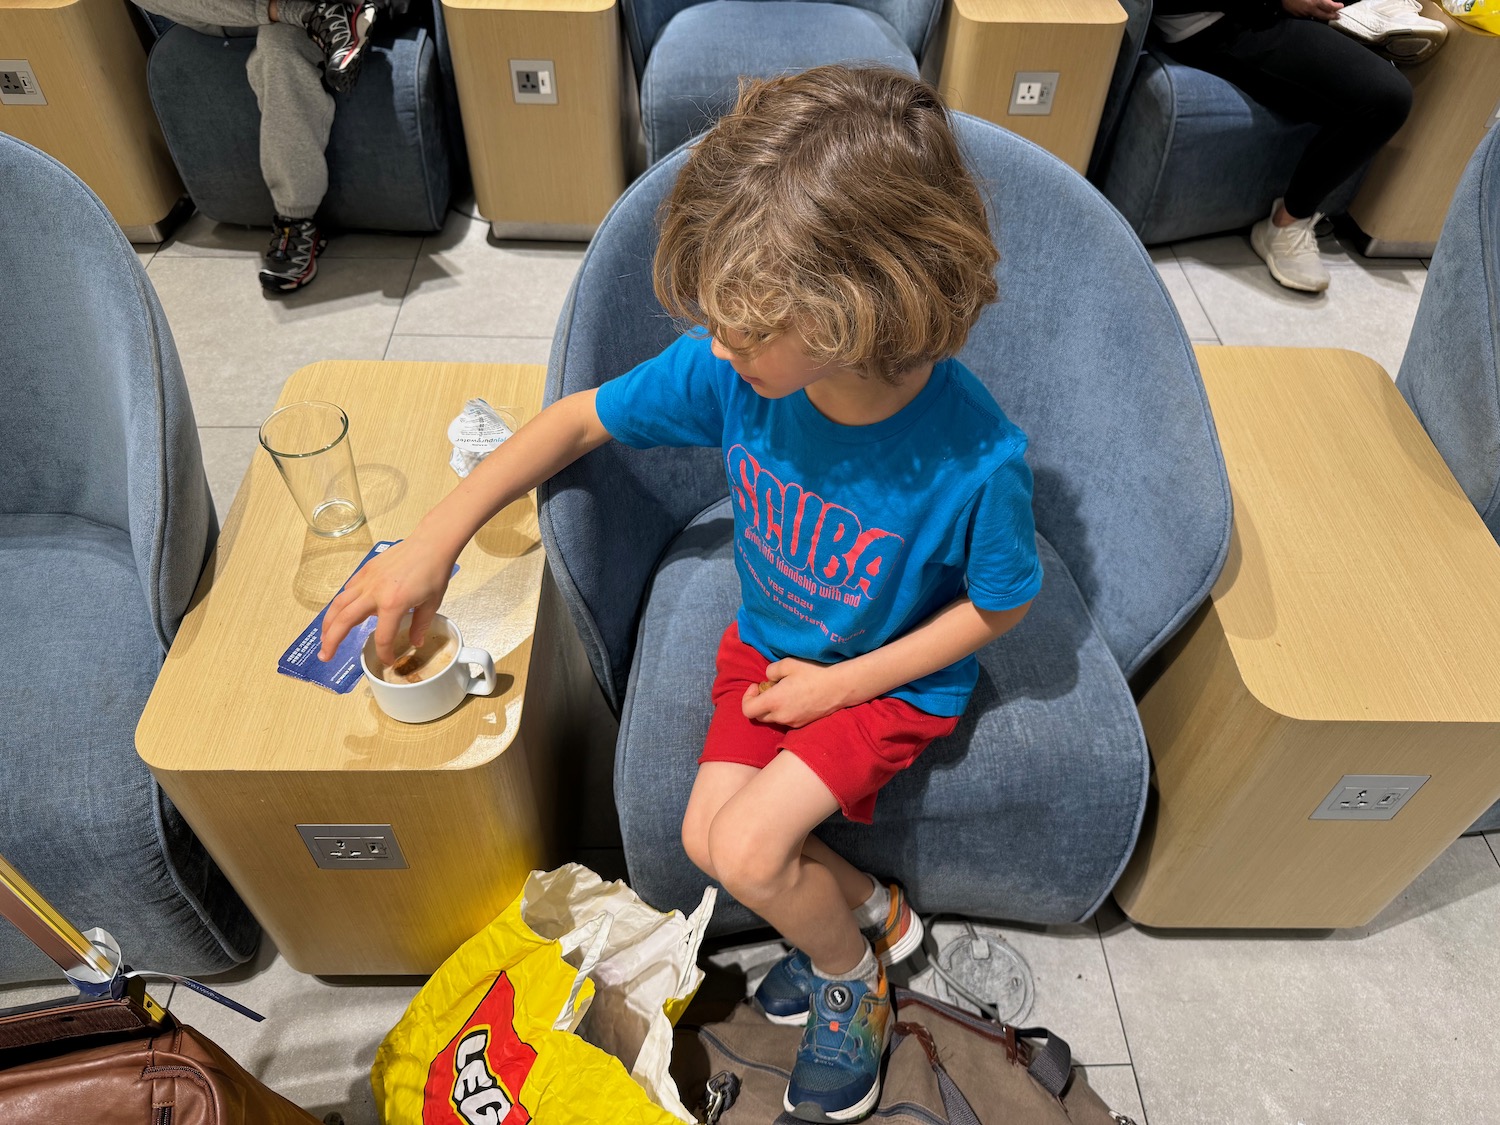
{"type": "Point", "coordinates": [1305, 70]}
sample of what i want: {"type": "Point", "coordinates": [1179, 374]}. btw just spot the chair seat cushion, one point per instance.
{"type": "Point", "coordinates": [693, 71]}
{"type": "Point", "coordinates": [80, 814]}
{"type": "Point", "coordinates": [388, 163]}
{"type": "Point", "coordinates": [1027, 812]}
{"type": "Point", "coordinates": [1194, 154]}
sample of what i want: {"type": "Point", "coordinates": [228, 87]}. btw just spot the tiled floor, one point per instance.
{"type": "Point", "coordinates": [1394, 1023]}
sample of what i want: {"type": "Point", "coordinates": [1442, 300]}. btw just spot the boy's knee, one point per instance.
{"type": "Point", "coordinates": [745, 865]}
{"type": "Point", "coordinates": [695, 843]}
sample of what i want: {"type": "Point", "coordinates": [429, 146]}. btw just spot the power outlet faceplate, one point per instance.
{"type": "Point", "coordinates": [1032, 93]}
{"type": "Point", "coordinates": [18, 84]}
{"type": "Point", "coordinates": [350, 847]}
{"type": "Point", "coordinates": [1369, 796]}
{"type": "Point", "coordinates": [533, 81]}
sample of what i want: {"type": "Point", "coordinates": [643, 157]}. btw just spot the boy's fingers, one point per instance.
{"type": "Point", "coordinates": [421, 617]}
{"type": "Point", "coordinates": [385, 634]}
{"type": "Point", "coordinates": [339, 620]}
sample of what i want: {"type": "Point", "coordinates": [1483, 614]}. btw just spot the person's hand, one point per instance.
{"type": "Point", "coordinates": [797, 692]}
{"type": "Point", "coordinates": [412, 575]}
{"type": "Point", "coordinates": [1312, 9]}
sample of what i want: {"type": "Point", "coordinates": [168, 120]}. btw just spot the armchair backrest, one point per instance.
{"type": "Point", "coordinates": [1451, 372]}
{"type": "Point", "coordinates": [644, 19]}
{"type": "Point", "coordinates": [1083, 350]}
{"type": "Point", "coordinates": [97, 422]}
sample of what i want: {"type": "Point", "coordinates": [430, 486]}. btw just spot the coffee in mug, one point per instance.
{"type": "Point", "coordinates": [429, 681]}
{"type": "Point", "coordinates": [430, 658]}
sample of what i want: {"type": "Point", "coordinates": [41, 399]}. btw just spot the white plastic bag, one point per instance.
{"type": "Point", "coordinates": [645, 974]}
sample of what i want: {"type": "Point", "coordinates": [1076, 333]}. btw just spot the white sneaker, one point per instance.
{"type": "Point", "coordinates": [1395, 29]}
{"type": "Point", "coordinates": [1291, 252]}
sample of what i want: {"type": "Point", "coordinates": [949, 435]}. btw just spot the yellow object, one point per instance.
{"type": "Point", "coordinates": [490, 1039]}
{"type": "Point", "coordinates": [1483, 14]}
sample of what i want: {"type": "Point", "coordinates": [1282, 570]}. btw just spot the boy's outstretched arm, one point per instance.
{"type": "Point", "coordinates": [802, 690]}
{"type": "Point", "coordinates": [413, 575]}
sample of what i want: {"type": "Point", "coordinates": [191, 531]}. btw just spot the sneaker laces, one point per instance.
{"type": "Point", "coordinates": [1298, 238]}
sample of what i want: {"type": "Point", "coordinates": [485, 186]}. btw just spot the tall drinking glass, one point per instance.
{"type": "Point", "coordinates": [309, 441]}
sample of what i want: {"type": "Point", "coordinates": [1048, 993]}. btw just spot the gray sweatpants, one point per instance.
{"type": "Point", "coordinates": [296, 110]}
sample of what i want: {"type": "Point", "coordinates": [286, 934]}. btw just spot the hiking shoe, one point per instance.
{"type": "Point", "coordinates": [1396, 29]}
{"type": "Point", "coordinates": [837, 1073]}
{"type": "Point", "coordinates": [341, 31]}
{"type": "Point", "coordinates": [1291, 252]}
{"type": "Point", "coordinates": [784, 992]}
{"type": "Point", "coordinates": [292, 258]}
{"type": "Point", "coordinates": [783, 995]}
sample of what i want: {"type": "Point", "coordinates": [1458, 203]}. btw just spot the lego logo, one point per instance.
{"type": "Point", "coordinates": [478, 1077]}
{"type": "Point", "coordinates": [476, 1091]}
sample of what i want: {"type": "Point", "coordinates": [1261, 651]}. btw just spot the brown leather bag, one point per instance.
{"type": "Point", "coordinates": [107, 1062]}
{"type": "Point", "coordinates": [119, 1059]}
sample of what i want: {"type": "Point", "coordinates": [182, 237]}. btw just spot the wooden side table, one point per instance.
{"type": "Point", "coordinates": [91, 69]}
{"type": "Point", "coordinates": [1353, 632]}
{"type": "Point", "coordinates": [541, 171]}
{"type": "Point", "coordinates": [247, 754]}
{"type": "Point", "coordinates": [1455, 97]}
{"type": "Point", "coordinates": [983, 44]}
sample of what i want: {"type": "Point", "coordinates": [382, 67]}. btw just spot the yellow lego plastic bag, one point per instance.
{"type": "Point", "coordinates": [559, 1012]}
{"type": "Point", "coordinates": [1483, 14]}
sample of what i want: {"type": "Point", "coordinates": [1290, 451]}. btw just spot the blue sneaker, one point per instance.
{"type": "Point", "coordinates": [783, 994]}
{"type": "Point", "coordinates": [837, 1073]}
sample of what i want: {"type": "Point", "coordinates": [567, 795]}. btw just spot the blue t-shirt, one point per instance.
{"type": "Point", "coordinates": [847, 537]}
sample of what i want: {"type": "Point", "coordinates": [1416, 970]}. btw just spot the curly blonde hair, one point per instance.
{"type": "Point", "coordinates": [833, 202]}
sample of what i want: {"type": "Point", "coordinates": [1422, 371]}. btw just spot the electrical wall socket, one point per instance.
{"type": "Point", "coordinates": [533, 81]}
{"type": "Point", "coordinates": [18, 84]}
{"type": "Point", "coordinates": [1032, 93]}
{"type": "Point", "coordinates": [350, 847]}
{"type": "Point", "coordinates": [1369, 796]}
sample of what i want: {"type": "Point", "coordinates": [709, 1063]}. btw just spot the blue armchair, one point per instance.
{"type": "Point", "coordinates": [1451, 372]}
{"type": "Point", "coordinates": [689, 56]}
{"type": "Point", "coordinates": [394, 152]}
{"type": "Point", "coordinates": [1183, 153]}
{"type": "Point", "coordinates": [105, 524]}
{"type": "Point", "coordinates": [1030, 810]}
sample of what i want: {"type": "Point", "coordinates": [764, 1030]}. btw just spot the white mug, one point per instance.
{"type": "Point", "coordinates": [441, 692]}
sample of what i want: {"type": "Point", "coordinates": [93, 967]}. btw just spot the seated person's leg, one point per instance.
{"type": "Point", "coordinates": [211, 17]}
{"type": "Point", "coordinates": [1305, 70]}
{"type": "Point", "coordinates": [296, 115]}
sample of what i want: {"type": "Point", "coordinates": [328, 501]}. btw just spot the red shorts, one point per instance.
{"type": "Point", "coordinates": [854, 751]}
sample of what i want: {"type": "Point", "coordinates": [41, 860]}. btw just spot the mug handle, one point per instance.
{"type": "Point", "coordinates": [484, 683]}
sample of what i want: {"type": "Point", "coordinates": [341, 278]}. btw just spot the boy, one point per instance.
{"type": "Point", "coordinates": [305, 51]}
{"type": "Point", "coordinates": [829, 239]}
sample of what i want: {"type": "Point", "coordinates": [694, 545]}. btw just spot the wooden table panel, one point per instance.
{"type": "Point", "coordinates": [983, 43]}
{"type": "Point", "coordinates": [1455, 94]}
{"type": "Point", "coordinates": [247, 754]}
{"type": "Point", "coordinates": [98, 119]}
{"type": "Point", "coordinates": [1351, 632]}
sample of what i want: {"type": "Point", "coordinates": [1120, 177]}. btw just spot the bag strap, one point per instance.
{"type": "Point", "coordinates": [955, 1106]}
{"type": "Point", "coordinates": [1051, 1065]}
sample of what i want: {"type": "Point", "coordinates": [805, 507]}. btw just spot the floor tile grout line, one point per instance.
{"type": "Point", "coordinates": [1491, 845]}
{"type": "Point", "coordinates": [1120, 1014]}
{"type": "Point", "coordinates": [405, 293]}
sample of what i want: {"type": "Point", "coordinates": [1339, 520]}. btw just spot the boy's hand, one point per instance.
{"type": "Point", "coordinates": [412, 575]}
{"type": "Point", "coordinates": [797, 692]}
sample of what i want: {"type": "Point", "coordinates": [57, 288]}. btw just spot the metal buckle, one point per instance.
{"type": "Point", "coordinates": [722, 1091]}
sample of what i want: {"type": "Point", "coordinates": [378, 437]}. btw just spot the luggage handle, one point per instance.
{"type": "Point", "coordinates": [80, 960]}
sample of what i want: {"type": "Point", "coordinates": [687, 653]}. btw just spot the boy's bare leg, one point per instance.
{"type": "Point", "coordinates": [755, 846]}
{"type": "Point", "coordinates": [855, 884]}
{"type": "Point", "coordinates": [716, 783]}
